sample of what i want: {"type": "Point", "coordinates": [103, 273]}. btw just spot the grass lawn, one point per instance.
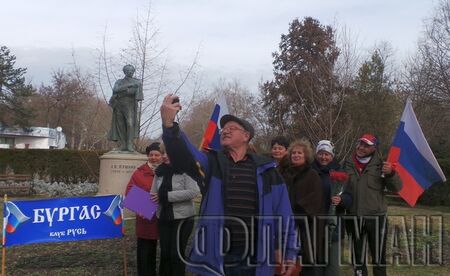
{"type": "Point", "coordinates": [406, 248]}
{"type": "Point", "coordinates": [105, 257]}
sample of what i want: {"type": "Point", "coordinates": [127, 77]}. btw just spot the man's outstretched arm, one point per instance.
{"type": "Point", "coordinates": [182, 154]}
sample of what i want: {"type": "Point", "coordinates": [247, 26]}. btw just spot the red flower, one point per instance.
{"type": "Point", "coordinates": [338, 176]}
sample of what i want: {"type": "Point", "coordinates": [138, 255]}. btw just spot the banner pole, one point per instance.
{"type": "Point", "coordinates": [124, 250]}
{"type": "Point", "coordinates": [3, 243]}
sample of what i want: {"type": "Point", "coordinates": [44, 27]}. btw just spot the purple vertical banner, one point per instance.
{"type": "Point", "coordinates": [62, 219]}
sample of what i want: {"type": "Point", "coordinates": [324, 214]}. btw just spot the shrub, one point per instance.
{"type": "Point", "coordinates": [68, 166]}
{"type": "Point", "coordinates": [61, 189]}
{"type": "Point", "coordinates": [439, 193]}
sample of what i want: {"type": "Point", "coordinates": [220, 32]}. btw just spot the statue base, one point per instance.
{"type": "Point", "coordinates": [116, 169]}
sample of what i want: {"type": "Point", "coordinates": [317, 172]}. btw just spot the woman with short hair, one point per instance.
{"type": "Point", "coordinates": [279, 149]}
{"type": "Point", "coordinates": [146, 230]}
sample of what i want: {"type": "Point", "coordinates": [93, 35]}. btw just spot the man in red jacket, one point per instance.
{"type": "Point", "coordinates": [146, 230]}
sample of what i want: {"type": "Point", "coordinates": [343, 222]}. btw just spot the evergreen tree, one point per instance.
{"type": "Point", "coordinates": [305, 97]}
{"type": "Point", "coordinates": [14, 93]}
{"type": "Point", "coordinates": [374, 106]}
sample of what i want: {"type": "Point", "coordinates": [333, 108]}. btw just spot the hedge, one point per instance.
{"type": "Point", "coordinates": [69, 166]}
{"type": "Point", "coordinates": [72, 166]}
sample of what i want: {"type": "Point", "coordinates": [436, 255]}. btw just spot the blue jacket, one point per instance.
{"type": "Point", "coordinates": [276, 228]}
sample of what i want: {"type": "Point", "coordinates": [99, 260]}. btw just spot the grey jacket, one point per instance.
{"type": "Point", "coordinates": [184, 190]}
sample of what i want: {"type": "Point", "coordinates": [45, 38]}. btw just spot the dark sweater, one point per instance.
{"type": "Point", "coordinates": [305, 190]}
{"type": "Point", "coordinates": [306, 196]}
{"type": "Point", "coordinates": [241, 199]}
{"type": "Point", "coordinates": [324, 173]}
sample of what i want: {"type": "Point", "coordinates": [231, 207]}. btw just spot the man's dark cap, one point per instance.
{"type": "Point", "coordinates": [246, 125]}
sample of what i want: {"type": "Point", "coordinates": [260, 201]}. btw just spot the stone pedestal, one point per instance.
{"type": "Point", "coordinates": [116, 170]}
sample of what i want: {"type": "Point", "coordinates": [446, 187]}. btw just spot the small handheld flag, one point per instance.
{"type": "Point", "coordinates": [211, 138]}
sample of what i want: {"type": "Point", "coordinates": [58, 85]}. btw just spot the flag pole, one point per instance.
{"type": "Point", "coordinates": [380, 155]}
{"type": "Point", "coordinates": [124, 241]}
{"type": "Point", "coordinates": [124, 250]}
{"type": "Point", "coordinates": [3, 244]}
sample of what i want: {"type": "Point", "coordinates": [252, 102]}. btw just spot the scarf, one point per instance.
{"type": "Point", "coordinates": [361, 162]}
{"type": "Point", "coordinates": [166, 172]}
{"type": "Point", "coordinates": [327, 184]}
{"type": "Point", "coordinates": [153, 167]}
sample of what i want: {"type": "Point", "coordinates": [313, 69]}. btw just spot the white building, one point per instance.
{"type": "Point", "coordinates": [32, 138]}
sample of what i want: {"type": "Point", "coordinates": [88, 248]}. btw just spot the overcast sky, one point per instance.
{"type": "Point", "coordinates": [235, 38]}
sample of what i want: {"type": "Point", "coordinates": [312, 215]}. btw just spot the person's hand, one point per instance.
{"type": "Point", "coordinates": [288, 267]}
{"type": "Point", "coordinates": [335, 200]}
{"type": "Point", "coordinates": [278, 262]}
{"type": "Point", "coordinates": [154, 197]}
{"type": "Point", "coordinates": [387, 168]}
{"type": "Point", "coordinates": [169, 110]}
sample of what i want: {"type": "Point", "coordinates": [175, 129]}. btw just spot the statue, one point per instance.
{"type": "Point", "coordinates": [127, 93]}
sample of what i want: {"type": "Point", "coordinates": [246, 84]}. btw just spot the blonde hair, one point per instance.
{"type": "Point", "coordinates": [307, 149]}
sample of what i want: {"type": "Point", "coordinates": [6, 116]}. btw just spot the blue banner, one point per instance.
{"type": "Point", "coordinates": [62, 219]}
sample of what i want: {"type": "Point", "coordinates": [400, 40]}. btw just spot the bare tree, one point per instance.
{"type": "Point", "coordinates": [71, 102]}
{"type": "Point", "coordinates": [195, 121]}
{"type": "Point", "coordinates": [151, 68]}
{"type": "Point", "coordinates": [427, 78]}
{"type": "Point", "coordinates": [241, 102]}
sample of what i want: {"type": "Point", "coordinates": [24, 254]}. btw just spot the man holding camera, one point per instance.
{"type": "Point", "coordinates": [243, 195]}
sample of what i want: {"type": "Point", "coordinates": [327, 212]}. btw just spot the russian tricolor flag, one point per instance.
{"type": "Point", "coordinates": [13, 217]}
{"type": "Point", "coordinates": [415, 162]}
{"type": "Point", "coordinates": [115, 210]}
{"type": "Point", "coordinates": [211, 138]}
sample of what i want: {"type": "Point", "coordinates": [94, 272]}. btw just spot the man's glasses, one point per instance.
{"type": "Point", "coordinates": [230, 129]}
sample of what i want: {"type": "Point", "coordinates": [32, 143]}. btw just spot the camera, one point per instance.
{"type": "Point", "coordinates": [176, 100]}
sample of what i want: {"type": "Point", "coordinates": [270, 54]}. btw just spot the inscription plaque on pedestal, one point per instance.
{"type": "Point", "coordinates": [116, 170]}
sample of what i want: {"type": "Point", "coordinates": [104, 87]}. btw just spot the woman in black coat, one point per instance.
{"type": "Point", "coordinates": [335, 197]}
{"type": "Point", "coordinates": [307, 199]}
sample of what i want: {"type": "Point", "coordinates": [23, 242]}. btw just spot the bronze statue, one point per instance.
{"type": "Point", "coordinates": [127, 93]}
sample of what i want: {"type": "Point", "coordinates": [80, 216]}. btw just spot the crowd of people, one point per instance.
{"type": "Point", "coordinates": [261, 215]}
